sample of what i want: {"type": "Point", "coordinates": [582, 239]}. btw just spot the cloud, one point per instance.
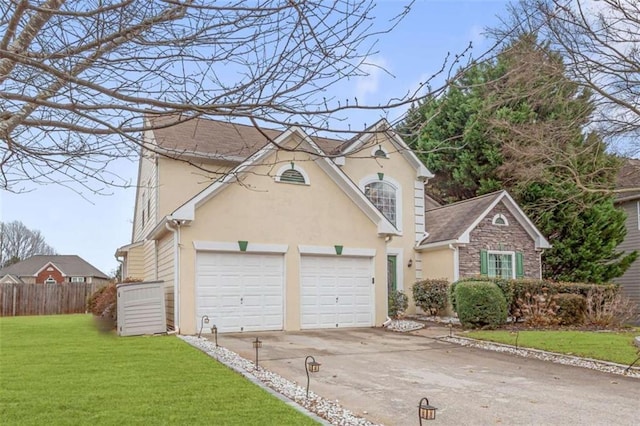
{"type": "Point", "coordinates": [368, 85]}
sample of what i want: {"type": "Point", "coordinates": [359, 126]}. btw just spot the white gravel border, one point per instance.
{"type": "Point", "coordinates": [327, 412]}
{"type": "Point", "coordinates": [593, 364]}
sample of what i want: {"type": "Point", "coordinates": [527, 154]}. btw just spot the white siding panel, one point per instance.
{"type": "Point", "coordinates": [166, 274]}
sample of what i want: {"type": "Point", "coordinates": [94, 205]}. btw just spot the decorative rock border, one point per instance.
{"type": "Point", "coordinates": [604, 366]}
{"type": "Point", "coordinates": [404, 326]}
{"type": "Point", "coordinates": [330, 411]}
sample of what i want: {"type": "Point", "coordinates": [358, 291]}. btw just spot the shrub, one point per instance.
{"type": "Point", "coordinates": [480, 304]}
{"type": "Point", "coordinates": [608, 309]}
{"type": "Point", "coordinates": [431, 295]}
{"type": "Point", "coordinates": [398, 303]}
{"type": "Point", "coordinates": [571, 308]}
{"type": "Point", "coordinates": [538, 309]}
{"type": "Point", "coordinates": [104, 307]}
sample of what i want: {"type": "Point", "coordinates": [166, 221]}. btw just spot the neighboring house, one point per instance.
{"type": "Point", "coordinates": [629, 201]}
{"type": "Point", "coordinates": [304, 232]}
{"type": "Point", "coordinates": [52, 269]}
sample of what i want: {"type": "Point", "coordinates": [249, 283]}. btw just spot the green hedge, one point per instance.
{"type": "Point", "coordinates": [513, 290]}
{"type": "Point", "coordinates": [571, 308]}
{"type": "Point", "coordinates": [431, 295]}
{"type": "Point", "coordinates": [480, 304]}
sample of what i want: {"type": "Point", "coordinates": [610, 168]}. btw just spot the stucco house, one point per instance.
{"type": "Point", "coordinates": [303, 232]}
{"type": "Point", "coordinates": [629, 200]}
{"type": "Point", "coordinates": [52, 269]}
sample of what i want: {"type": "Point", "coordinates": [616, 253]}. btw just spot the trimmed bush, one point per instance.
{"type": "Point", "coordinates": [398, 304]}
{"type": "Point", "coordinates": [571, 308]}
{"type": "Point", "coordinates": [480, 304]}
{"type": "Point", "coordinates": [431, 295]}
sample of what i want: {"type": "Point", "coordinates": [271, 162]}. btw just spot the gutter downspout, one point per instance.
{"type": "Point", "coordinates": [456, 262]}
{"type": "Point", "coordinates": [176, 272]}
{"type": "Point", "coordinates": [122, 274]}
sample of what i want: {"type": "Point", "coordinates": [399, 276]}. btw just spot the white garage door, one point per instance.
{"type": "Point", "coordinates": [240, 291]}
{"type": "Point", "coordinates": [336, 292]}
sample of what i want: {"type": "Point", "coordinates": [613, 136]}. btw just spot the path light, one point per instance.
{"type": "Point", "coordinates": [450, 328]}
{"type": "Point", "coordinates": [257, 344]}
{"type": "Point", "coordinates": [204, 320]}
{"type": "Point", "coordinates": [426, 411]}
{"type": "Point", "coordinates": [214, 331]}
{"type": "Point", "coordinates": [310, 367]}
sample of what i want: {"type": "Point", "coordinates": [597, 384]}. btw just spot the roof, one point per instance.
{"type": "Point", "coordinates": [448, 222]}
{"type": "Point", "coordinates": [203, 137]}
{"type": "Point", "coordinates": [453, 223]}
{"type": "Point", "coordinates": [69, 265]}
{"type": "Point", "coordinates": [628, 178]}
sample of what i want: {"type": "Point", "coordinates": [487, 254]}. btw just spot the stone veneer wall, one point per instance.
{"type": "Point", "coordinates": [487, 236]}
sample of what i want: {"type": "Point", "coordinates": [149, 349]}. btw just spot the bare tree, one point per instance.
{"type": "Point", "coordinates": [600, 44]}
{"type": "Point", "coordinates": [76, 78]}
{"type": "Point", "coordinates": [17, 242]}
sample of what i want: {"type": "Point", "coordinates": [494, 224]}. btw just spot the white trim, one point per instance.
{"type": "Point", "coordinates": [225, 246]}
{"type": "Point", "coordinates": [331, 251]}
{"type": "Point", "coordinates": [497, 217]}
{"type": "Point", "coordinates": [52, 264]}
{"type": "Point", "coordinates": [456, 262]}
{"type": "Point", "coordinates": [513, 261]}
{"type": "Point", "coordinates": [295, 167]}
{"type": "Point", "coordinates": [340, 161]}
{"type": "Point", "coordinates": [399, 253]}
{"type": "Point", "coordinates": [50, 280]}
{"type": "Point", "coordinates": [638, 207]}
{"type": "Point", "coordinates": [396, 185]}
{"type": "Point", "coordinates": [435, 245]}
{"type": "Point", "coordinates": [381, 148]}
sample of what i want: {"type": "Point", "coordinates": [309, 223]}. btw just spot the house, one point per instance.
{"type": "Point", "coordinates": [628, 199]}
{"type": "Point", "coordinates": [52, 269]}
{"type": "Point", "coordinates": [304, 232]}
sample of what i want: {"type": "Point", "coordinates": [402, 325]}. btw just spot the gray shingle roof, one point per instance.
{"type": "Point", "coordinates": [628, 177]}
{"type": "Point", "coordinates": [450, 221]}
{"type": "Point", "coordinates": [70, 265]}
{"type": "Point", "coordinates": [213, 139]}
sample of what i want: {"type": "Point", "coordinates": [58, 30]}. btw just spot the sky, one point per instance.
{"type": "Point", "coordinates": [93, 226]}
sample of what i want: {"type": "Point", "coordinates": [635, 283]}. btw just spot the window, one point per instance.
{"type": "Point", "coordinates": [77, 279]}
{"type": "Point", "coordinates": [292, 174]}
{"type": "Point", "coordinates": [383, 196]}
{"type": "Point", "coordinates": [379, 152]}
{"type": "Point", "coordinates": [502, 264]}
{"type": "Point", "coordinates": [50, 280]}
{"type": "Point", "coordinates": [500, 220]}
{"type": "Point", "coordinates": [638, 207]}
{"type": "Point", "coordinates": [144, 196]}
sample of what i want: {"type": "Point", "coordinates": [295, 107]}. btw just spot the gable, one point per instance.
{"type": "Point", "coordinates": [269, 159]}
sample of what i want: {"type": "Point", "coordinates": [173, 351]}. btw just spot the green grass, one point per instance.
{"type": "Point", "coordinates": [59, 370]}
{"type": "Point", "coordinates": [607, 346]}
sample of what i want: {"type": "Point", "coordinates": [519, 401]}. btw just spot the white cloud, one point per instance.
{"type": "Point", "coordinates": [375, 68]}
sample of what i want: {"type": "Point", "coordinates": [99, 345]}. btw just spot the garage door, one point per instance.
{"type": "Point", "coordinates": [336, 292]}
{"type": "Point", "coordinates": [240, 291]}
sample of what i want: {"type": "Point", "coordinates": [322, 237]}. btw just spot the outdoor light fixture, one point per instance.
{"type": "Point", "coordinates": [257, 344]}
{"type": "Point", "coordinates": [426, 411]}
{"type": "Point", "coordinates": [410, 263]}
{"type": "Point", "coordinates": [450, 328]}
{"type": "Point", "coordinates": [204, 320]}
{"type": "Point", "coordinates": [310, 367]}
{"type": "Point", "coordinates": [214, 331]}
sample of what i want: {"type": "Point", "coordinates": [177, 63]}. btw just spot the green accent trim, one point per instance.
{"type": "Point", "coordinates": [519, 265]}
{"type": "Point", "coordinates": [484, 262]}
{"type": "Point", "coordinates": [243, 245]}
{"type": "Point", "coordinates": [381, 176]}
{"type": "Point", "coordinates": [338, 249]}
{"type": "Point", "coordinates": [392, 272]}
{"type": "Point", "coordinates": [292, 165]}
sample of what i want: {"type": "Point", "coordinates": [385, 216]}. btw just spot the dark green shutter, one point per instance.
{"type": "Point", "coordinates": [519, 265]}
{"type": "Point", "coordinates": [484, 263]}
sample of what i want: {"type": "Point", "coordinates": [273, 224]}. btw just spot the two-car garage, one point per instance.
{"type": "Point", "coordinates": [245, 291]}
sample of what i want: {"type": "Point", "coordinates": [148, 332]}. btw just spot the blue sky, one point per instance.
{"type": "Point", "coordinates": [93, 226]}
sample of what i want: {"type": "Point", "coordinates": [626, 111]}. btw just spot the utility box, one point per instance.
{"type": "Point", "coordinates": [141, 308]}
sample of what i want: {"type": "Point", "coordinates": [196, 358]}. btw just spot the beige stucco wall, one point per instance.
{"type": "Point", "coordinates": [264, 211]}
{"type": "Point", "coordinates": [438, 263]}
{"type": "Point", "coordinates": [359, 166]}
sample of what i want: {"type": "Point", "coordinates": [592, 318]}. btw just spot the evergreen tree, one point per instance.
{"type": "Point", "coordinates": [518, 123]}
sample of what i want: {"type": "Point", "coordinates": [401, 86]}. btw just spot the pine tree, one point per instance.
{"type": "Point", "coordinates": [518, 123]}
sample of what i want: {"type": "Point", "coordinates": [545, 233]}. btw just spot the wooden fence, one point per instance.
{"type": "Point", "coordinates": [45, 299]}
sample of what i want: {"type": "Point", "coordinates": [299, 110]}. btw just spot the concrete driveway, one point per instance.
{"type": "Point", "coordinates": [382, 376]}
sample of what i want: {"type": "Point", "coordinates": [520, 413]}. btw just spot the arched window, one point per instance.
{"type": "Point", "coordinates": [50, 280]}
{"type": "Point", "coordinates": [379, 152]}
{"type": "Point", "coordinates": [292, 174]}
{"type": "Point", "coordinates": [500, 220]}
{"type": "Point", "coordinates": [383, 196]}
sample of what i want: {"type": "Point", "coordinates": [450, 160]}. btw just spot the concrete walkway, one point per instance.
{"type": "Point", "coordinates": [382, 376]}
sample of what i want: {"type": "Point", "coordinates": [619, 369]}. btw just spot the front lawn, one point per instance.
{"type": "Point", "coordinates": [607, 346]}
{"type": "Point", "coordinates": [60, 370]}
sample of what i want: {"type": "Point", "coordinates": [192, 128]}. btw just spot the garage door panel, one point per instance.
{"type": "Point", "coordinates": [240, 291]}
{"type": "Point", "coordinates": [343, 289]}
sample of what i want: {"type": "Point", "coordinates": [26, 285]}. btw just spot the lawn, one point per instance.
{"type": "Point", "coordinates": [60, 370]}
{"type": "Point", "coordinates": [608, 346]}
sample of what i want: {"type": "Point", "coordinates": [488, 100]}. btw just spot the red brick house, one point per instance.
{"type": "Point", "coordinates": [52, 269]}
